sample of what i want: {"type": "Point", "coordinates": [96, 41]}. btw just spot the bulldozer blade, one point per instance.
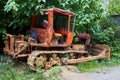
{"type": "Point", "coordinates": [103, 52]}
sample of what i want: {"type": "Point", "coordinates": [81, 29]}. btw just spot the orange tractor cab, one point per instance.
{"type": "Point", "coordinates": [54, 27]}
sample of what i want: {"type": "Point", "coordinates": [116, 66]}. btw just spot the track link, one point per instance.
{"type": "Point", "coordinates": [42, 60]}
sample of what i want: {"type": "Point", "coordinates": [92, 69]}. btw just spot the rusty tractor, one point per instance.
{"type": "Point", "coordinates": [51, 42]}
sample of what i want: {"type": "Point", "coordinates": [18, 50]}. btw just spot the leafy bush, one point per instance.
{"type": "Point", "coordinates": [104, 32]}
{"type": "Point", "coordinates": [22, 12]}
{"type": "Point", "coordinates": [115, 48]}
{"type": "Point", "coordinates": [5, 19]}
{"type": "Point", "coordinates": [114, 7]}
{"type": "Point", "coordinates": [118, 32]}
{"type": "Point", "coordinates": [88, 12]}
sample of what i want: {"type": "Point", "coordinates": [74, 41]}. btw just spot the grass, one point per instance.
{"type": "Point", "coordinates": [11, 70]}
{"type": "Point", "coordinates": [97, 64]}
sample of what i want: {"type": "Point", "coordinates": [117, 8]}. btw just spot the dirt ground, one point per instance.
{"type": "Point", "coordinates": [71, 73]}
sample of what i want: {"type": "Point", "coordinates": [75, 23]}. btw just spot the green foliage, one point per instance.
{"type": "Point", "coordinates": [75, 40]}
{"type": "Point", "coordinates": [118, 32]}
{"type": "Point", "coordinates": [88, 14]}
{"type": "Point", "coordinates": [11, 4]}
{"type": "Point", "coordinates": [108, 21]}
{"type": "Point", "coordinates": [11, 70]}
{"type": "Point", "coordinates": [115, 48]}
{"type": "Point", "coordinates": [3, 33]}
{"type": "Point", "coordinates": [5, 19]}
{"type": "Point", "coordinates": [53, 73]}
{"type": "Point", "coordinates": [105, 31]}
{"type": "Point", "coordinates": [114, 7]}
{"type": "Point", "coordinates": [22, 12]}
{"type": "Point", "coordinates": [103, 35]}
{"type": "Point", "coordinates": [87, 11]}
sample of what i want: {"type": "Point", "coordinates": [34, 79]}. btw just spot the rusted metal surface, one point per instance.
{"type": "Point", "coordinates": [60, 52]}
{"type": "Point", "coordinates": [42, 35]}
{"type": "Point", "coordinates": [53, 60]}
{"type": "Point", "coordinates": [23, 56]}
{"type": "Point", "coordinates": [78, 47]}
{"type": "Point", "coordinates": [84, 59]}
{"type": "Point", "coordinates": [46, 35]}
{"type": "Point", "coordinates": [103, 48]}
{"type": "Point", "coordinates": [16, 45]}
{"type": "Point", "coordinates": [59, 11]}
{"type": "Point", "coordinates": [87, 38]}
{"type": "Point", "coordinates": [75, 56]}
{"type": "Point", "coordinates": [104, 53]}
{"type": "Point", "coordinates": [13, 43]}
{"type": "Point", "coordinates": [9, 44]}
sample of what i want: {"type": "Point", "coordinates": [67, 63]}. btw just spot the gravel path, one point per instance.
{"type": "Point", "coordinates": [71, 73]}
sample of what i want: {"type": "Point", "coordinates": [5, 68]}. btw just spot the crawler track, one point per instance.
{"type": "Point", "coordinates": [47, 59]}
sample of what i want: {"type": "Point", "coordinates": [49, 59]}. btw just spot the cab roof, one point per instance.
{"type": "Point", "coordinates": [59, 11]}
